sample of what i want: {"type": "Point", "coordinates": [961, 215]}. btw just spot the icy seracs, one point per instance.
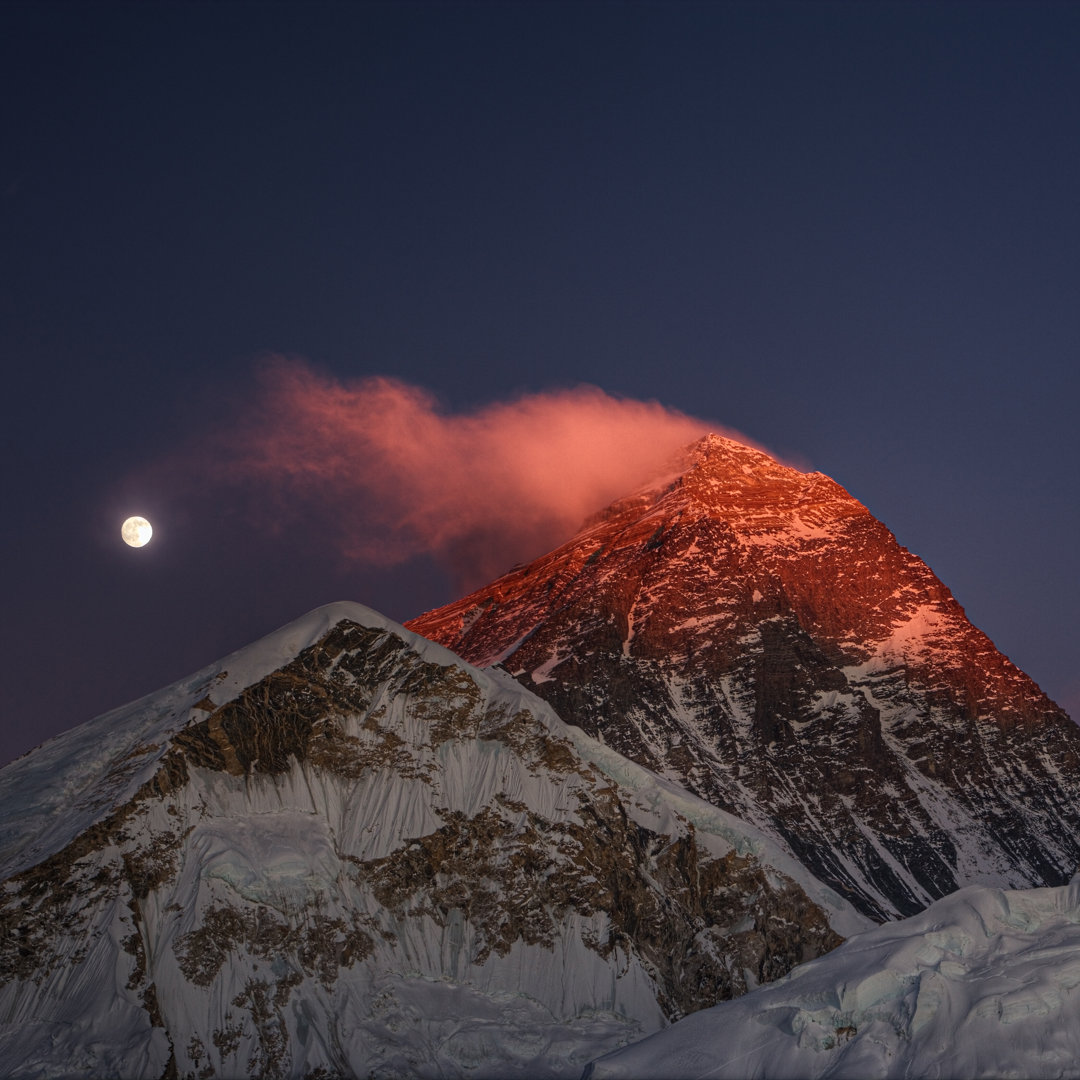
{"type": "Point", "coordinates": [982, 984]}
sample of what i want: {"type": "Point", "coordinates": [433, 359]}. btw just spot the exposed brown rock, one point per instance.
{"type": "Point", "coordinates": [360, 703]}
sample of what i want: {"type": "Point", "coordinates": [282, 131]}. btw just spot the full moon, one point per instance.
{"type": "Point", "coordinates": [136, 531]}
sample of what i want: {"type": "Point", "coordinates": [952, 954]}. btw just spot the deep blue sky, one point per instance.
{"type": "Point", "coordinates": [851, 231]}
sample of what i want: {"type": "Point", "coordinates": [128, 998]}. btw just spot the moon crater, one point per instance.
{"type": "Point", "coordinates": [136, 531]}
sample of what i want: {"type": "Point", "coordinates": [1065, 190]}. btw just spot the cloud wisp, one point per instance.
{"type": "Point", "coordinates": [389, 474]}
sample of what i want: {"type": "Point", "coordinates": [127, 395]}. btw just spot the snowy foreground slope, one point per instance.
{"type": "Point", "coordinates": [344, 852]}
{"type": "Point", "coordinates": [984, 983]}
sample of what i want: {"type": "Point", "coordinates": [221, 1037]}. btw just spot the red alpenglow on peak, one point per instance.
{"type": "Point", "coordinates": [756, 634]}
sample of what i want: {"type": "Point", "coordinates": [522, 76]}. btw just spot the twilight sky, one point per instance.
{"type": "Point", "coordinates": [322, 289]}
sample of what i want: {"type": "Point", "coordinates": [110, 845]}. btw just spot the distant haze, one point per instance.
{"type": "Point", "coordinates": [385, 473]}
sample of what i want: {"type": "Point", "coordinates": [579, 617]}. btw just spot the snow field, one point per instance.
{"type": "Point", "coordinates": [981, 984]}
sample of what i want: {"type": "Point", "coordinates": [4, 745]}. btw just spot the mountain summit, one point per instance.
{"type": "Point", "coordinates": [343, 852]}
{"type": "Point", "coordinates": [754, 633]}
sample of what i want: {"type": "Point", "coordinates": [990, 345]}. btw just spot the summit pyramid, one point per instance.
{"type": "Point", "coordinates": [753, 632]}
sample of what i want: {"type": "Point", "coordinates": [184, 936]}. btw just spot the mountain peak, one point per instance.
{"type": "Point", "coordinates": [763, 500]}
{"type": "Point", "coordinates": [722, 453]}
{"type": "Point", "coordinates": [712, 446]}
{"type": "Point", "coordinates": [759, 494]}
{"type": "Point", "coordinates": [754, 632]}
{"type": "Point", "coordinates": [342, 851]}
{"type": "Point", "coordinates": [718, 454]}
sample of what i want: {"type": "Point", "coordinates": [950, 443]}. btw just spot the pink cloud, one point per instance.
{"type": "Point", "coordinates": [391, 475]}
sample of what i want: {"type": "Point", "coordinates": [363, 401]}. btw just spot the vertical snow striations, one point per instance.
{"type": "Point", "coordinates": [344, 852]}
{"type": "Point", "coordinates": [753, 632]}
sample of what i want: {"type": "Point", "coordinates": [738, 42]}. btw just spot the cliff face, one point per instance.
{"type": "Point", "coordinates": [754, 633]}
{"type": "Point", "coordinates": [343, 851]}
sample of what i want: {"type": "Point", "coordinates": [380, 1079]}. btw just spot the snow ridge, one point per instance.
{"type": "Point", "coordinates": [981, 984]}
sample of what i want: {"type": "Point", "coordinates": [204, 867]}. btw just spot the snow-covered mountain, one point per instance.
{"type": "Point", "coordinates": [754, 633]}
{"type": "Point", "coordinates": [983, 983]}
{"type": "Point", "coordinates": [344, 852]}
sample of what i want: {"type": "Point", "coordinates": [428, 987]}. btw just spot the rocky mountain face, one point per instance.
{"type": "Point", "coordinates": [755, 634]}
{"type": "Point", "coordinates": [344, 852]}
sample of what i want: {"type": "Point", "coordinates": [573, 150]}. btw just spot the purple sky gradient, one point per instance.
{"type": "Point", "coordinates": [850, 231]}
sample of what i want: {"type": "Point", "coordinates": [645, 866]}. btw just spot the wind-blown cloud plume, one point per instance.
{"type": "Point", "coordinates": [392, 475]}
